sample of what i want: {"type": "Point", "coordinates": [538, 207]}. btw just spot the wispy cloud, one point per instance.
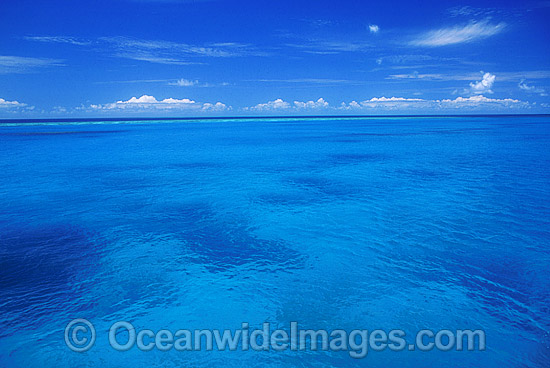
{"type": "Point", "coordinates": [470, 32]}
{"type": "Point", "coordinates": [152, 58]}
{"type": "Point", "coordinates": [416, 61]}
{"type": "Point", "coordinates": [407, 58]}
{"type": "Point", "coordinates": [184, 83]}
{"type": "Point", "coordinates": [167, 52]}
{"type": "Point", "coordinates": [519, 9]}
{"type": "Point", "coordinates": [156, 51]}
{"type": "Point", "coordinates": [59, 39]}
{"type": "Point", "coordinates": [470, 11]}
{"type": "Point", "coordinates": [430, 76]}
{"type": "Point", "coordinates": [502, 76]}
{"type": "Point", "coordinates": [320, 81]}
{"type": "Point", "coordinates": [148, 103]}
{"type": "Point", "coordinates": [323, 47]}
{"type": "Point", "coordinates": [181, 82]}
{"type": "Point", "coordinates": [19, 64]}
{"type": "Point", "coordinates": [531, 89]}
{"type": "Point", "coordinates": [529, 74]}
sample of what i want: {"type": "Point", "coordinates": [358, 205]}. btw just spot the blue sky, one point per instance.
{"type": "Point", "coordinates": [210, 58]}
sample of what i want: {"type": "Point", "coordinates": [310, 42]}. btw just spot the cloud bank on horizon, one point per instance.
{"type": "Point", "coordinates": [256, 58]}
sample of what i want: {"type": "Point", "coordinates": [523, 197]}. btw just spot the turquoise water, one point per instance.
{"type": "Point", "coordinates": [374, 223]}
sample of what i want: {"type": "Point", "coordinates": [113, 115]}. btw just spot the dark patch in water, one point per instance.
{"type": "Point", "coordinates": [354, 158]}
{"type": "Point", "coordinates": [325, 186]}
{"type": "Point", "coordinates": [286, 199]}
{"type": "Point", "coordinates": [425, 174]}
{"type": "Point", "coordinates": [37, 264]}
{"type": "Point", "coordinates": [504, 283]}
{"type": "Point", "coordinates": [221, 242]}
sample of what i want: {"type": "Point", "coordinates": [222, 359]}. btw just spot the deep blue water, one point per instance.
{"type": "Point", "coordinates": [376, 223]}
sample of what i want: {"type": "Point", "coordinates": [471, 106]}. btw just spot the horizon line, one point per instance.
{"type": "Point", "coordinates": [84, 119]}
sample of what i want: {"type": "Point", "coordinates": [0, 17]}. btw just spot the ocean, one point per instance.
{"type": "Point", "coordinates": [376, 223]}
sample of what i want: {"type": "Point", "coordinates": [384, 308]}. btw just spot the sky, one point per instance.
{"type": "Point", "coordinates": [192, 58]}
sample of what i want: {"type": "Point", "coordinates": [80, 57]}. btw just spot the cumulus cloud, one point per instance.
{"type": "Point", "coordinates": [470, 32]}
{"type": "Point", "coordinates": [4, 104]}
{"type": "Point", "coordinates": [373, 28]}
{"type": "Point", "coordinates": [531, 89]}
{"type": "Point", "coordinates": [484, 85]}
{"type": "Point", "coordinates": [279, 104]}
{"type": "Point", "coordinates": [482, 101]}
{"type": "Point", "coordinates": [394, 103]}
{"type": "Point", "coordinates": [383, 102]}
{"type": "Point", "coordinates": [464, 103]}
{"type": "Point", "coordinates": [319, 104]}
{"type": "Point", "coordinates": [218, 106]}
{"type": "Point", "coordinates": [147, 103]}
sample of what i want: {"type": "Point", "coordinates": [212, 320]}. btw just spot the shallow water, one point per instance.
{"type": "Point", "coordinates": [378, 223]}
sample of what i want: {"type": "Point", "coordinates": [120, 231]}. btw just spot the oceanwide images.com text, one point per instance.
{"type": "Point", "coordinates": [80, 336]}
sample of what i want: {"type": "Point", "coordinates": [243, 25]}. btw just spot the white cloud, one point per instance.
{"type": "Point", "coordinates": [324, 47]}
{"type": "Point", "coordinates": [470, 32]}
{"type": "Point", "coordinates": [184, 83]}
{"type": "Point", "coordinates": [227, 49]}
{"type": "Point", "coordinates": [167, 52]}
{"type": "Point", "coordinates": [18, 64]}
{"type": "Point", "coordinates": [373, 28]}
{"type": "Point", "coordinates": [417, 75]}
{"type": "Point", "coordinates": [4, 104]}
{"type": "Point", "coordinates": [308, 81]}
{"type": "Point", "coordinates": [396, 104]}
{"type": "Point", "coordinates": [502, 76]}
{"type": "Point", "coordinates": [394, 99]}
{"type": "Point", "coordinates": [147, 102]}
{"type": "Point", "coordinates": [479, 101]}
{"type": "Point", "coordinates": [60, 110]}
{"type": "Point", "coordinates": [384, 103]}
{"type": "Point", "coordinates": [59, 39]}
{"type": "Point", "coordinates": [218, 106]}
{"type": "Point", "coordinates": [466, 103]}
{"type": "Point", "coordinates": [279, 104]}
{"type": "Point", "coordinates": [484, 85]}
{"type": "Point", "coordinates": [156, 51]}
{"type": "Point", "coordinates": [151, 58]}
{"type": "Point", "coordinates": [319, 104]}
{"type": "Point", "coordinates": [531, 89]}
